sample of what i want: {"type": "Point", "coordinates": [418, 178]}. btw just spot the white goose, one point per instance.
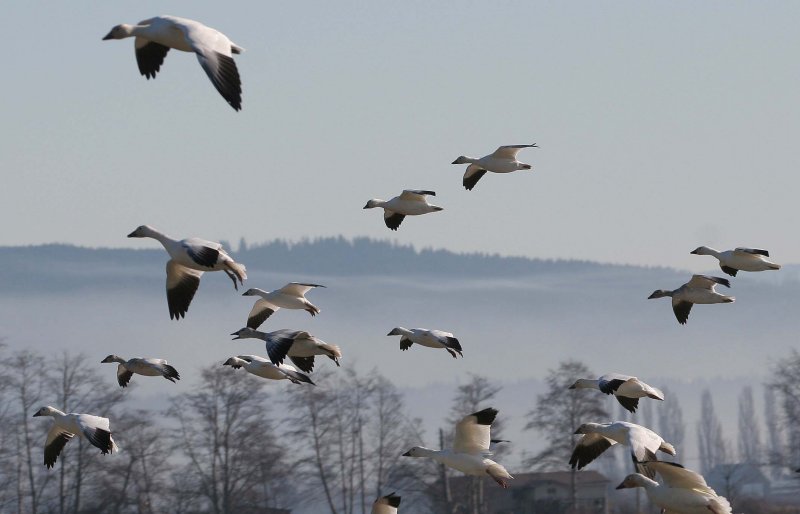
{"type": "Point", "coordinates": [598, 437]}
{"type": "Point", "coordinates": [386, 504]}
{"type": "Point", "coordinates": [502, 160]}
{"type": "Point", "coordinates": [155, 36]}
{"type": "Point", "coordinates": [700, 289]}
{"type": "Point", "coordinates": [298, 345]}
{"type": "Point", "coordinates": [740, 259]}
{"type": "Point", "coordinates": [263, 368]}
{"type": "Point", "coordinates": [470, 448]}
{"type": "Point", "coordinates": [625, 388]}
{"type": "Point", "coordinates": [189, 259]}
{"type": "Point", "coordinates": [290, 296]}
{"type": "Point", "coordinates": [142, 366]}
{"type": "Point", "coordinates": [66, 426]}
{"type": "Point", "coordinates": [683, 491]}
{"type": "Point", "coordinates": [411, 202]}
{"type": "Point", "coordinates": [429, 338]}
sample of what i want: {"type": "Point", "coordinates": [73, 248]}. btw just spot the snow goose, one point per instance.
{"type": "Point", "coordinates": [290, 296]}
{"type": "Point", "coordinates": [298, 345]}
{"type": "Point", "coordinates": [598, 437]}
{"type": "Point", "coordinates": [386, 504]}
{"type": "Point", "coordinates": [625, 388]}
{"type": "Point", "coordinates": [142, 366]}
{"type": "Point", "coordinates": [92, 428]}
{"type": "Point", "coordinates": [189, 259]}
{"type": "Point", "coordinates": [429, 338]}
{"type": "Point", "coordinates": [502, 160]}
{"type": "Point", "coordinates": [739, 259]}
{"type": "Point", "coordinates": [700, 289]}
{"type": "Point", "coordinates": [683, 491]}
{"type": "Point", "coordinates": [470, 448]}
{"type": "Point", "coordinates": [155, 36]}
{"type": "Point", "coordinates": [263, 368]}
{"type": "Point", "coordinates": [411, 202]}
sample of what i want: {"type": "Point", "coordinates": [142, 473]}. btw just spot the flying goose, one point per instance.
{"type": "Point", "coordinates": [411, 202]}
{"type": "Point", "coordinates": [189, 259]}
{"type": "Point", "coordinates": [155, 36]}
{"type": "Point", "coordinates": [740, 259]}
{"type": "Point", "coordinates": [429, 338]}
{"type": "Point", "coordinates": [598, 437]}
{"type": "Point", "coordinates": [299, 346]}
{"type": "Point", "coordinates": [700, 289]}
{"type": "Point", "coordinates": [142, 366]}
{"type": "Point", "coordinates": [683, 491]}
{"type": "Point", "coordinates": [625, 388]}
{"type": "Point", "coordinates": [502, 160]}
{"type": "Point", "coordinates": [290, 296]}
{"type": "Point", "coordinates": [386, 504]}
{"type": "Point", "coordinates": [263, 368]}
{"type": "Point", "coordinates": [470, 450]}
{"type": "Point", "coordinates": [92, 428]}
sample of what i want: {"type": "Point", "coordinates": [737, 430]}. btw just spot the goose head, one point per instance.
{"type": "Point", "coordinates": [112, 358]}
{"type": "Point", "coordinates": [701, 250]}
{"type": "Point", "coordinates": [416, 451]}
{"type": "Point", "coordinates": [463, 159]}
{"type": "Point", "coordinates": [399, 331]}
{"type": "Point", "coordinates": [120, 32]}
{"type": "Point", "coordinates": [633, 480]}
{"type": "Point", "coordinates": [588, 428]}
{"type": "Point", "coordinates": [143, 231]}
{"type": "Point", "coordinates": [659, 293]}
{"type": "Point", "coordinates": [375, 202]}
{"type": "Point", "coordinates": [247, 332]}
{"type": "Point", "coordinates": [254, 291]}
{"type": "Point", "coordinates": [46, 411]}
{"type": "Point", "coordinates": [233, 362]}
{"type": "Point", "coordinates": [581, 383]}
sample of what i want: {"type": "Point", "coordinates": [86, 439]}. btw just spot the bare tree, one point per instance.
{"type": "Point", "coordinates": [785, 384]}
{"type": "Point", "coordinates": [710, 442]}
{"type": "Point", "coordinates": [749, 432]}
{"type": "Point", "coordinates": [774, 446]}
{"type": "Point", "coordinates": [670, 420]}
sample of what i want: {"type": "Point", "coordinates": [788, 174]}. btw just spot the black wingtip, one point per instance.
{"type": "Point", "coordinates": [486, 416]}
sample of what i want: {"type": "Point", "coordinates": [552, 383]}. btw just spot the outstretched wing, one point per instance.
{"type": "Point", "coordinates": [298, 288]}
{"type": "Point", "coordinates": [415, 195]}
{"type": "Point", "coordinates": [472, 176]}
{"type": "Point", "coordinates": [677, 476]}
{"type": "Point", "coordinates": [182, 284]}
{"type": "Point", "coordinates": [510, 151]}
{"type": "Point", "coordinates": [681, 310]}
{"type": "Point", "coordinates": [473, 432]}
{"type": "Point", "coordinates": [392, 219]}
{"type": "Point", "coordinates": [261, 310]}
{"type": "Point", "coordinates": [123, 375]}
{"type": "Point", "coordinates": [149, 56]}
{"type": "Point", "coordinates": [751, 251]}
{"type": "Point", "coordinates": [56, 439]}
{"type": "Point", "coordinates": [97, 431]}
{"type": "Point", "coordinates": [589, 447]}
{"type": "Point", "coordinates": [224, 74]}
{"type": "Point", "coordinates": [707, 282]}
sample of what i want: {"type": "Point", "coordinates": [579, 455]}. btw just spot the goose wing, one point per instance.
{"type": "Point", "coordinates": [644, 444]}
{"type": "Point", "coordinates": [224, 74]}
{"type": "Point", "coordinates": [472, 176]}
{"type": "Point", "coordinates": [298, 288]}
{"type": "Point", "coordinates": [681, 310]}
{"type": "Point", "coordinates": [415, 195]}
{"type": "Point", "coordinates": [610, 382]}
{"type": "Point", "coordinates": [149, 56]}
{"type": "Point", "coordinates": [677, 476]}
{"type": "Point", "coordinates": [123, 375]}
{"type": "Point", "coordinates": [202, 252]}
{"type": "Point", "coordinates": [386, 504]}
{"type": "Point", "coordinates": [261, 310]}
{"type": "Point", "coordinates": [392, 219]}
{"type": "Point", "coordinates": [182, 284]}
{"type": "Point", "coordinates": [279, 343]}
{"type": "Point", "coordinates": [97, 431]}
{"type": "Point", "coordinates": [750, 251]}
{"type": "Point", "coordinates": [473, 432]}
{"type": "Point", "coordinates": [707, 282]}
{"type": "Point", "coordinates": [589, 447]}
{"type": "Point", "coordinates": [510, 151]}
{"type": "Point", "coordinates": [56, 439]}
{"type": "Point", "coordinates": [304, 363]}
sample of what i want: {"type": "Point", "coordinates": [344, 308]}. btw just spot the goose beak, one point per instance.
{"type": "Point", "coordinates": [237, 336]}
{"type": "Point", "coordinates": [35, 415]}
{"type": "Point", "coordinates": [693, 252]}
{"type": "Point", "coordinates": [132, 234]}
{"type": "Point", "coordinates": [406, 454]}
{"type": "Point", "coordinates": [108, 36]}
{"type": "Point", "coordinates": [572, 387]}
{"type": "Point", "coordinates": [621, 486]}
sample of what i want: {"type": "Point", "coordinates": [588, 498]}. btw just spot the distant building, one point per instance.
{"type": "Point", "coordinates": [544, 493]}
{"type": "Point", "coordinates": [737, 481]}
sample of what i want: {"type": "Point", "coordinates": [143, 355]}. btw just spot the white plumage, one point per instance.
{"type": "Point", "coordinates": [290, 296]}
{"type": "Point", "coordinates": [411, 202]}
{"type": "Point", "coordinates": [429, 338]}
{"type": "Point", "coordinates": [94, 429]}
{"type": "Point", "coordinates": [142, 366]}
{"type": "Point", "coordinates": [700, 289]}
{"type": "Point", "coordinates": [625, 388]}
{"type": "Point", "coordinates": [502, 160]}
{"type": "Point", "coordinates": [739, 259]}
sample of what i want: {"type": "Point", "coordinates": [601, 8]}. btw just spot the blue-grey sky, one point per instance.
{"type": "Point", "coordinates": [662, 126]}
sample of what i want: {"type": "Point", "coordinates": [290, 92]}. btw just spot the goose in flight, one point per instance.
{"type": "Point", "coordinates": [598, 437]}
{"type": "Point", "coordinates": [143, 366]}
{"type": "Point", "coordinates": [429, 338]}
{"type": "Point", "coordinates": [290, 296]}
{"type": "Point", "coordinates": [189, 259]}
{"type": "Point", "coordinates": [263, 368]}
{"type": "Point", "coordinates": [502, 160]}
{"type": "Point", "coordinates": [66, 426]}
{"type": "Point", "coordinates": [700, 289]}
{"type": "Point", "coordinates": [155, 36]}
{"type": "Point", "coordinates": [298, 345]}
{"type": "Point", "coordinates": [470, 452]}
{"type": "Point", "coordinates": [386, 504]}
{"type": "Point", "coordinates": [740, 259]}
{"type": "Point", "coordinates": [683, 491]}
{"type": "Point", "coordinates": [625, 388]}
{"type": "Point", "coordinates": [411, 202]}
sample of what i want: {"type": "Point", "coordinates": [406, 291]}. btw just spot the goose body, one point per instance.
{"type": "Point", "coordinates": [429, 338]}
{"type": "Point", "coordinates": [502, 160]}
{"type": "Point", "coordinates": [290, 296]}
{"type": "Point", "coordinates": [263, 368]}
{"type": "Point", "coordinates": [598, 437]}
{"type": "Point", "coordinates": [154, 37]}
{"type": "Point", "coordinates": [625, 388]}
{"type": "Point", "coordinates": [470, 452]}
{"type": "Point", "coordinates": [411, 202]}
{"type": "Point", "coordinates": [94, 429]}
{"type": "Point", "coordinates": [300, 346]}
{"type": "Point", "coordinates": [700, 289]}
{"type": "Point", "coordinates": [189, 259]}
{"type": "Point", "coordinates": [740, 259]}
{"type": "Point", "coordinates": [386, 504]}
{"type": "Point", "coordinates": [142, 366]}
{"type": "Point", "coordinates": [683, 491]}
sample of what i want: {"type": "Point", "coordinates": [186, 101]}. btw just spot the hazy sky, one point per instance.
{"type": "Point", "coordinates": [662, 126]}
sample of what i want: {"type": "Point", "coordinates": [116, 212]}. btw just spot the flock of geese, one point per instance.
{"type": "Point", "coordinates": [680, 491]}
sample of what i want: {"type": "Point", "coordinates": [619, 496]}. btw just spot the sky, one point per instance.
{"type": "Point", "coordinates": [661, 126]}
